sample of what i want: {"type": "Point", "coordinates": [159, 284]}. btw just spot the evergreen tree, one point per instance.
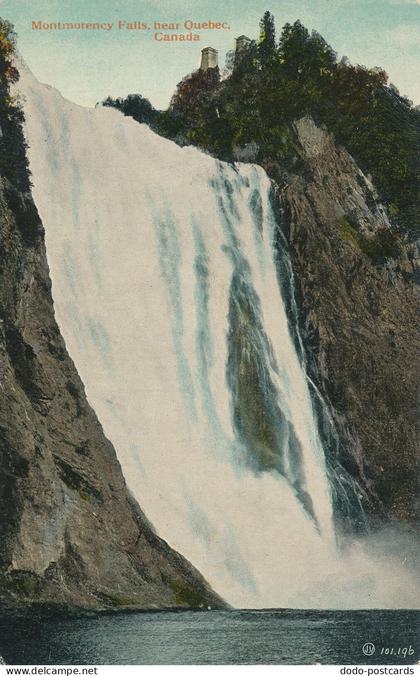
{"type": "Point", "coordinates": [267, 43]}
{"type": "Point", "coordinates": [304, 54]}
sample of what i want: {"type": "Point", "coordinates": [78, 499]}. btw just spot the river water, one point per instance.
{"type": "Point", "coordinates": [215, 637]}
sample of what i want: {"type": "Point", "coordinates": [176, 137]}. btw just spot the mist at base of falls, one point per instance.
{"type": "Point", "coordinates": [166, 292]}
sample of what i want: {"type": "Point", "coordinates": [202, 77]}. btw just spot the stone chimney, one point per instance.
{"type": "Point", "coordinates": [208, 58]}
{"type": "Point", "coordinates": [241, 42]}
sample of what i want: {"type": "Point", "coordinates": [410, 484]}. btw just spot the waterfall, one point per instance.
{"type": "Point", "coordinates": [167, 293]}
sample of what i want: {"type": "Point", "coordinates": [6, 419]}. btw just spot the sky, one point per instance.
{"type": "Point", "coordinates": [89, 65]}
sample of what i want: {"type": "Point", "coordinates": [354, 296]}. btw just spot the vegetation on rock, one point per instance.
{"type": "Point", "coordinates": [13, 162]}
{"type": "Point", "coordinates": [135, 106]}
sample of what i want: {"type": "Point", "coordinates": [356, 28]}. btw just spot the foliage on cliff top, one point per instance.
{"type": "Point", "coordinates": [273, 83]}
{"type": "Point", "coordinates": [13, 162]}
{"type": "Point", "coordinates": [135, 106]}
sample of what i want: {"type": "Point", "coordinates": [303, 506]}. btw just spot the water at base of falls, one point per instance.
{"type": "Point", "coordinates": [216, 637]}
{"type": "Point", "coordinates": [166, 292]}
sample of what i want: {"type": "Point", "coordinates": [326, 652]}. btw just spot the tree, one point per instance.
{"type": "Point", "coordinates": [267, 42]}
{"type": "Point", "coordinates": [13, 162]}
{"type": "Point", "coordinates": [135, 106]}
{"type": "Point", "coordinates": [8, 72]}
{"type": "Point", "coordinates": [304, 54]}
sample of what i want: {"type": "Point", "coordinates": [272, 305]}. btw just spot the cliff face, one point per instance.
{"type": "Point", "coordinates": [359, 319]}
{"type": "Point", "coordinates": [70, 534]}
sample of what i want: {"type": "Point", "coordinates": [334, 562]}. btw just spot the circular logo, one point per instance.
{"type": "Point", "coordinates": [369, 649]}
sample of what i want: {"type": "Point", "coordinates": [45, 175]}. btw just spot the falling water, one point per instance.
{"type": "Point", "coordinates": [166, 291]}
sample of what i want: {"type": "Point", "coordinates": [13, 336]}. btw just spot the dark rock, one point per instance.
{"type": "Point", "coordinates": [358, 315]}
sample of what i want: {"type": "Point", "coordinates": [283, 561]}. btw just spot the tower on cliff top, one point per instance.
{"type": "Point", "coordinates": [208, 58]}
{"type": "Point", "coordinates": [241, 42]}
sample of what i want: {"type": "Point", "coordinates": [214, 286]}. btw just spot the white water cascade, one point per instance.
{"type": "Point", "coordinates": [166, 292]}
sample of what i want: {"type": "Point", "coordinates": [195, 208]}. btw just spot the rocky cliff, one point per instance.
{"type": "Point", "coordinates": [358, 313]}
{"type": "Point", "coordinates": [70, 533]}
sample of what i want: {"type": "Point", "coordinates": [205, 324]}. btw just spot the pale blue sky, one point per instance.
{"type": "Point", "coordinates": [89, 65]}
